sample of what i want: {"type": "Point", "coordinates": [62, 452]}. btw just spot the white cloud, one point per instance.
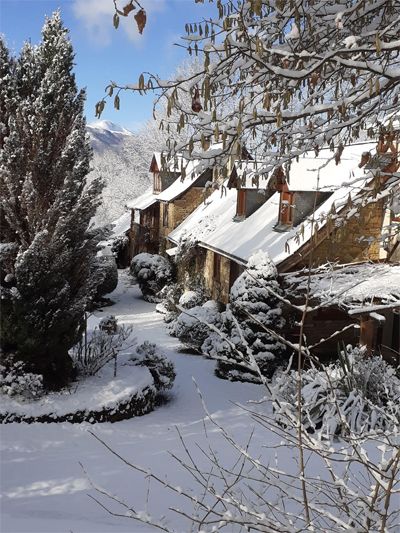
{"type": "Point", "coordinates": [96, 18]}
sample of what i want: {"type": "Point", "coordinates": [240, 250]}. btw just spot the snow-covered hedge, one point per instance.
{"type": "Point", "coordinates": [192, 326]}
{"type": "Point", "coordinates": [357, 393]}
{"type": "Point", "coordinates": [152, 272]}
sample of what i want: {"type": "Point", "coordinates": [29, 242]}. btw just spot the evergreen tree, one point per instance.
{"type": "Point", "coordinates": [45, 200]}
{"type": "Point", "coordinates": [254, 306]}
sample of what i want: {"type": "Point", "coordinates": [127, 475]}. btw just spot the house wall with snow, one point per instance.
{"type": "Point", "coordinates": [175, 211]}
{"type": "Point", "coordinates": [356, 239]}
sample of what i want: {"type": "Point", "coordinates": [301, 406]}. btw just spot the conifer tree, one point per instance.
{"type": "Point", "coordinates": [47, 204]}
{"type": "Point", "coordinates": [254, 308]}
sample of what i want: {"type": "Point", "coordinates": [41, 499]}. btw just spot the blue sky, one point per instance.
{"type": "Point", "coordinates": [103, 53]}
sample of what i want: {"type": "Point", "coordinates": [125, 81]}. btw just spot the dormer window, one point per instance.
{"type": "Point", "coordinates": [157, 185]}
{"type": "Point", "coordinates": [286, 210]}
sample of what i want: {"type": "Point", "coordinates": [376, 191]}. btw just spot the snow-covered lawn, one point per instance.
{"type": "Point", "coordinates": [44, 488]}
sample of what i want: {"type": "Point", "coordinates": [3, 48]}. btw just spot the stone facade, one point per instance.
{"type": "Point", "coordinates": [220, 272]}
{"type": "Point", "coordinates": [177, 211]}
{"type": "Point", "coordinates": [357, 240]}
{"type": "Point", "coordinates": [144, 231]}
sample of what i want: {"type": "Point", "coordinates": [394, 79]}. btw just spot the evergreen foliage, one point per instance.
{"type": "Point", "coordinates": [45, 199]}
{"type": "Point", "coordinates": [254, 306]}
{"type": "Point", "coordinates": [152, 272]}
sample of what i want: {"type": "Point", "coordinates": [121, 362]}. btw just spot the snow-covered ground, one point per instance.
{"type": "Point", "coordinates": [44, 488]}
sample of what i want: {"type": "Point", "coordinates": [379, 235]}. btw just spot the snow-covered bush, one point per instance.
{"type": "Point", "coordinates": [105, 274]}
{"type": "Point", "coordinates": [357, 393]}
{"type": "Point", "coordinates": [187, 294]}
{"type": "Point", "coordinates": [162, 369]}
{"type": "Point", "coordinates": [190, 299]}
{"type": "Point", "coordinates": [109, 324]}
{"type": "Point", "coordinates": [152, 272]}
{"type": "Point", "coordinates": [254, 306]}
{"type": "Point", "coordinates": [192, 326]}
{"type": "Point", "coordinates": [169, 296]}
{"type": "Point", "coordinates": [15, 380]}
{"type": "Point", "coordinates": [119, 247]}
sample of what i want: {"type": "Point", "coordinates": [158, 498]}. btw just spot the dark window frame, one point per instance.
{"type": "Point", "coordinates": [217, 267]}
{"type": "Point", "coordinates": [241, 203]}
{"type": "Point", "coordinates": [165, 215]}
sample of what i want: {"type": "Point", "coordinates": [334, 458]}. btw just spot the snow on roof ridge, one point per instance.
{"type": "Point", "coordinates": [143, 201]}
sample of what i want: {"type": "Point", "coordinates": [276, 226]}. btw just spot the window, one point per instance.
{"type": "Point", "coordinates": [165, 215]}
{"type": "Point", "coordinates": [234, 272]}
{"type": "Point", "coordinates": [217, 267]}
{"type": "Point", "coordinates": [241, 203]}
{"type": "Point", "coordinates": [286, 209]}
{"type": "Point", "coordinates": [156, 182]}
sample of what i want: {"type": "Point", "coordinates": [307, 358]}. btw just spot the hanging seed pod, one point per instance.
{"type": "Point", "coordinates": [196, 104]}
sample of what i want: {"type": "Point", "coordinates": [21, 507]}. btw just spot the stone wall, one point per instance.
{"type": "Point", "coordinates": [178, 211]}
{"type": "Point", "coordinates": [346, 244]}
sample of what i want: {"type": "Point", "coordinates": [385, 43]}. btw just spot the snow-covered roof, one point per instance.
{"type": "Point", "coordinates": [143, 201]}
{"type": "Point", "coordinates": [121, 225]}
{"type": "Point", "coordinates": [215, 212]}
{"type": "Point", "coordinates": [193, 171]}
{"type": "Point", "coordinates": [350, 285]}
{"type": "Point", "coordinates": [303, 174]}
{"type": "Point", "coordinates": [240, 239]}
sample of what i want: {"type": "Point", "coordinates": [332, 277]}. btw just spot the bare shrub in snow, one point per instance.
{"type": "Point", "coordinates": [15, 380]}
{"type": "Point", "coordinates": [356, 394]}
{"type": "Point", "coordinates": [152, 272]}
{"type": "Point", "coordinates": [192, 327]}
{"type": "Point", "coordinates": [160, 367]}
{"type": "Point", "coordinates": [98, 347]}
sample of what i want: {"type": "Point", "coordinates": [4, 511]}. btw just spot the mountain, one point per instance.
{"type": "Point", "coordinates": [122, 158]}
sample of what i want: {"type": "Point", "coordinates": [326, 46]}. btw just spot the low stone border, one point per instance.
{"type": "Point", "coordinates": [140, 404]}
{"type": "Point", "coordinates": [99, 398]}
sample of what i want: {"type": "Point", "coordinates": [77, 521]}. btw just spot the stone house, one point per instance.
{"type": "Point", "coordinates": [275, 216]}
{"type": "Point", "coordinates": [145, 209]}
{"type": "Point", "coordinates": [346, 227]}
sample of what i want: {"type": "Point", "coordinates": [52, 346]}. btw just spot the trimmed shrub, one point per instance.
{"type": "Point", "coordinates": [161, 369]}
{"type": "Point", "coordinates": [152, 272]}
{"type": "Point", "coordinates": [105, 275]}
{"type": "Point", "coordinates": [253, 307]}
{"type": "Point", "coordinates": [192, 327]}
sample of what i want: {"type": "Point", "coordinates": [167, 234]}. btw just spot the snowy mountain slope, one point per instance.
{"type": "Point", "coordinates": [122, 158]}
